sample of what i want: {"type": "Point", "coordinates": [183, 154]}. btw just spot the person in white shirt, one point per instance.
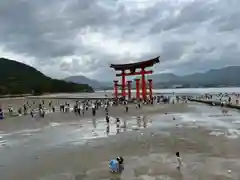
{"type": "Point", "coordinates": [106, 108]}
{"type": "Point", "coordinates": [179, 161]}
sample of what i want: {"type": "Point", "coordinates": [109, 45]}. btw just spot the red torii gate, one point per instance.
{"type": "Point", "coordinates": [130, 70]}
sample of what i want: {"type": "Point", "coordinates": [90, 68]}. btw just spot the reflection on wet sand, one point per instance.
{"type": "Point", "coordinates": [207, 140]}
{"type": "Point", "coordinates": [94, 121]}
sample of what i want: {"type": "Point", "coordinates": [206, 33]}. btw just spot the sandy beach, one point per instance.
{"type": "Point", "coordinates": [63, 146]}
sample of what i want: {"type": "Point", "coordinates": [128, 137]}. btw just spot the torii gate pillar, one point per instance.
{"type": "Point", "coordinates": [115, 88]}
{"type": "Point", "coordinates": [129, 89]}
{"type": "Point", "coordinates": [137, 89]}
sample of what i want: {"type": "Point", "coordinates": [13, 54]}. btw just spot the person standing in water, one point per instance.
{"type": "Point", "coordinates": [106, 107]}
{"type": "Point", "coordinates": [179, 161]}
{"type": "Point", "coordinates": [107, 119]}
{"type": "Point", "coordinates": [118, 122]}
{"type": "Point", "coordinates": [1, 114]}
{"type": "Point", "coordinates": [53, 109]}
{"type": "Point", "coordinates": [118, 125]}
{"type": "Point", "coordinates": [139, 121]}
{"type": "Point", "coordinates": [126, 108]}
{"type": "Point", "coordinates": [32, 113]}
{"type": "Point", "coordinates": [93, 110]}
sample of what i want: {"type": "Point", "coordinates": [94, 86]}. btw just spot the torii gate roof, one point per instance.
{"type": "Point", "coordinates": [147, 63]}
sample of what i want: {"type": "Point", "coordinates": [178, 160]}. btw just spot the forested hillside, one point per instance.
{"type": "Point", "coordinates": [19, 78]}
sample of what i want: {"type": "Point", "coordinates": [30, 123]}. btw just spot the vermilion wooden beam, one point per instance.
{"type": "Point", "coordinates": [129, 89]}
{"type": "Point", "coordinates": [135, 73]}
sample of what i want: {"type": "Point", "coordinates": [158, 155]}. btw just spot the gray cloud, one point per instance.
{"type": "Point", "coordinates": [72, 37]}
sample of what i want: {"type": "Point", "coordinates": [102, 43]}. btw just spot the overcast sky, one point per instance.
{"type": "Point", "coordinates": [72, 37]}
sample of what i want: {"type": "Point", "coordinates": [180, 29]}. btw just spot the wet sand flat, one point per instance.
{"type": "Point", "coordinates": [149, 154]}
{"type": "Point", "coordinates": [63, 146]}
{"type": "Point", "coordinates": [26, 122]}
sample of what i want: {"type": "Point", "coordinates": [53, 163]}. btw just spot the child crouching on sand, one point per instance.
{"type": "Point", "coordinates": [116, 165]}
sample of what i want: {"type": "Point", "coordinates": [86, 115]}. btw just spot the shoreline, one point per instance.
{"type": "Point", "coordinates": [158, 89]}
{"type": "Point", "coordinates": [8, 96]}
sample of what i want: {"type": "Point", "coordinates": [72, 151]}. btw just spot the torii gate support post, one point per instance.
{"type": "Point", "coordinates": [150, 88]}
{"type": "Point", "coordinates": [116, 89]}
{"type": "Point", "coordinates": [137, 89]}
{"type": "Point", "coordinates": [123, 83]}
{"type": "Point", "coordinates": [143, 83]}
{"type": "Point", "coordinates": [129, 90]}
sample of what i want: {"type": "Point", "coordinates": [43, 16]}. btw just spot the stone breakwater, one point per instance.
{"type": "Point", "coordinates": [215, 103]}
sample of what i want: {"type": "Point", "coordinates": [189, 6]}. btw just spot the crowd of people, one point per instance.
{"type": "Point", "coordinates": [223, 98]}
{"type": "Point", "coordinates": [80, 107]}
{"type": "Point", "coordinates": [35, 107]}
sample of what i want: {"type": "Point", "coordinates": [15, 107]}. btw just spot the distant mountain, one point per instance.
{"type": "Point", "coordinates": [84, 80]}
{"type": "Point", "coordinates": [19, 78]}
{"type": "Point", "coordinates": [164, 77]}
{"type": "Point", "coordinates": [227, 76]}
{"type": "Point", "coordinates": [222, 76]}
